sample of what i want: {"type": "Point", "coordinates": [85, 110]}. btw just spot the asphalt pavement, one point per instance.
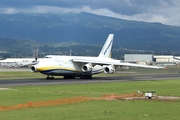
{"type": "Point", "coordinates": [60, 81]}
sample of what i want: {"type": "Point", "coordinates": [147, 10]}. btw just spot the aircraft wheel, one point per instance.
{"type": "Point", "coordinates": [86, 77]}
{"type": "Point", "coordinates": [69, 77]}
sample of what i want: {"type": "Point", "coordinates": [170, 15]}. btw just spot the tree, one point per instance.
{"type": "Point", "coordinates": [6, 55]}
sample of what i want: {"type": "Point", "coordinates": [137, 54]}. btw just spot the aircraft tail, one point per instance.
{"type": "Point", "coordinates": [106, 50]}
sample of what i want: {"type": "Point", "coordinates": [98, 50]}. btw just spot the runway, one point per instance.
{"type": "Point", "coordinates": [60, 81]}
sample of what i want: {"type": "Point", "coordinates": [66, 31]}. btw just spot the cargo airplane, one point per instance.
{"type": "Point", "coordinates": [176, 60]}
{"type": "Point", "coordinates": [81, 66]}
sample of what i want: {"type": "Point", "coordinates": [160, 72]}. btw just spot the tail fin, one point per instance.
{"type": "Point", "coordinates": [106, 50]}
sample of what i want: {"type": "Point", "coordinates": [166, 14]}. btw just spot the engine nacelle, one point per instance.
{"type": "Point", "coordinates": [87, 68]}
{"type": "Point", "coordinates": [109, 69]}
{"type": "Point", "coordinates": [33, 68]}
{"type": "Point", "coordinates": [176, 63]}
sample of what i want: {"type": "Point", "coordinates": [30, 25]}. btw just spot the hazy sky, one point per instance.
{"type": "Point", "coordinates": [163, 11]}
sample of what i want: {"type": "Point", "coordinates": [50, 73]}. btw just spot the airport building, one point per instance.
{"type": "Point", "coordinates": [151, 59]}
{"type": "Point", "coordinates": [139, 58]}
{"type": "Point", "coordinates": [17, 62]}
{"type": "Point", "coordinates": [10, 60]}
{"type": "Point", "coordinates": [164, 58]}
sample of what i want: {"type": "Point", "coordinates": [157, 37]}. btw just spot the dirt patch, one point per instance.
{"type": "Point", "coordinates": [45, 103]}
{"type": "Point", "coordinates": [131, 96]}
{"type": "Point", "coordinates": [140, 96]}
{"type": "Point", "coordinates": [122, 96]}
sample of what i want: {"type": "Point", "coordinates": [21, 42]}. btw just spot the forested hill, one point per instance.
{"type": "Point", "coordinates": [89, 29]}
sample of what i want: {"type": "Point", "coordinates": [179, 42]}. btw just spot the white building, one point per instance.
{"type": "Point", "coordinates": [17, 62]}
{"type": "Point", "coordinates": [149, 59]}
{"type": "Point", "coordinates": [164, 58]}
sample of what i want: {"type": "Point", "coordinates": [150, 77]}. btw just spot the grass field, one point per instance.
{"type": "Point", "coordinates": [91, 109]}
{"type": "Point", "coordinates": [21, 102]}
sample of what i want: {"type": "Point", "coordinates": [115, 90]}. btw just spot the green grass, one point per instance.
{"type": "Point", "coordinates": [21, 75]}
{"type": "Point", "coordinates": [92, 110]}
{"type": "Point", "coordinates": [168, 70]}
{"type": "Point", "coordinates": [18, 75]}
{"type": "Point", "coordinates": [97, 109]}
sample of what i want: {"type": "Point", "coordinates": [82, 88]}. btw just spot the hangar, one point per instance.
{"type": "Point", "coordinates": [139, 58]}
{"type": "Point", "coordinates": [151, 59]}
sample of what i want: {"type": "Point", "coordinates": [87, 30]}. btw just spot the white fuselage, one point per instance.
{"type": "Point", "coordinates": [63, 65]}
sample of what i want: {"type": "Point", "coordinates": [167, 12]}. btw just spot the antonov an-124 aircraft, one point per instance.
{"type": "Point", "coordinates": [81, 66]}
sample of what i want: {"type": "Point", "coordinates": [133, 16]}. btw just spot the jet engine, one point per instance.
{"type": "Point", "coordinates": [109, 69]}
{"type": "Point", "coordinates": [87, 68]}
{"type": "Point", "coordinates": [33, 68]}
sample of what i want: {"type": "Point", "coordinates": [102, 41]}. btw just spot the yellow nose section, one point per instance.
{"type": "Point", "coordinates": [48, 68]}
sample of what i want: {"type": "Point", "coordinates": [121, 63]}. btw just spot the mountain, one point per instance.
{"type": "Point", "coordinates": [87, 28]}
{"type": "Point", "coordinates": [28, 48]}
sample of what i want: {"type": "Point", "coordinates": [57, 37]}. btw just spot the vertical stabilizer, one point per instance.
{"type": "Point", "coordinates": [106, 50]}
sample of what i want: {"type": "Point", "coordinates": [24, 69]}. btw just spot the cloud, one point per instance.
{"type": "Point", "coordinates": [163, 11]}
{"type": "Point", "coordinates": [8, 10]}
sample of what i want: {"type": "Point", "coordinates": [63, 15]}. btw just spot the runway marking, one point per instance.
{"type": "Point", "coordinates": [5, 89]}
{"type": "Point", "coordinates": [143, 77]}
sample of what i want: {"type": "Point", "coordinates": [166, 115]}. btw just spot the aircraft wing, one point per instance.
{"type": "Point", "coordinates": [23, 64]}
{"type": "Point", "coordinates": [176, 58]}
{"type": "Point", "coordinates": [104, 61]}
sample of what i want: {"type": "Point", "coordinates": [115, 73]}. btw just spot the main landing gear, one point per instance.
{"type": "Point", "coordinates": [86, 76]}
{"type": "Point", "coordinates": [69, 77]}
{"type": "Point", "coordinates": [83, 76]}
{"type": "Point", "coordinates": [48, 78]}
